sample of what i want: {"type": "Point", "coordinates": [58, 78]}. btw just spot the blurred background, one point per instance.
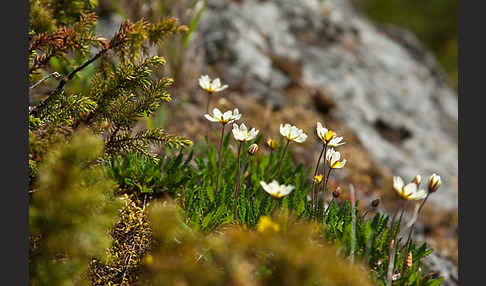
{"type": "Point", "coordinates": [382, 73]}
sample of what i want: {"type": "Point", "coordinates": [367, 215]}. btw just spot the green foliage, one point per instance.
{"type": "Point", "coordinates": [139, 173]}
{"type": "Point", "coordinates": [236, 256]}
{"type": "Point", "coordinates": [107, 85]}
{"type": "Point", "coordinates": [191, 181]}
{"type": "Point", "coordinates": [70, 212]}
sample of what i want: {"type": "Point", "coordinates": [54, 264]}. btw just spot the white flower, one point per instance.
{"type": "Point", "coordinates": [434, 182]}
{"type": "Point", "coordinates": [292, 133]}
{"type": "Point", "coordinates": [328, 136]}
{"type": "Point", "coordinates": [214, 86]}
{"type": "Point", "coordinates": [409, 191]}
{"type": "Point", "coordinates": [333, 158]}
{"type": "Point", "coordinates": [276, 190]}
{"type": "Point", "coordinates": [241, 133]}
{"type": "Point", "coordinates": [227, 117]}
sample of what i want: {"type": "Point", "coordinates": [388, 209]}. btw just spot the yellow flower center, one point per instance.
{"type": "Point", "coordinates": [329, 135]}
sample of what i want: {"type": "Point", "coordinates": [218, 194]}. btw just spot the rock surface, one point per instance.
{"type": "Point", "coordinates": [380, 83]}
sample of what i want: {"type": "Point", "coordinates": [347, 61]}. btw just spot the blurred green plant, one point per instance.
{"type": "Point", "coordinates": [236, 256]}
{"type": "Point", "coordinates": [70, 212]}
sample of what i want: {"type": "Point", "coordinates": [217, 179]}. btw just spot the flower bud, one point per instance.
{"type": "Point", "coordinates": [272, 144]}
{"type": "Point", "coordinates": [434, 183]}
{"type": "Point", "coordinates": [253, 149]}
{"type": "Point", "coordinates": [336, 193]}
{"type": "Point", "coordinates": [375, 203]}
{"type": "Point", "coordinates": [417, 180]}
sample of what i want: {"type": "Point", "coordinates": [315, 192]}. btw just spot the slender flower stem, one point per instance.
{"type": "Point", "coordinates": [324, 187]}
{"type": "Point", "coordinates": [323, 172]}
{"type": "Point", "coordinates": [392, 249]}
{"type": "Point", "coordinates": [413, 224]}
{"type": "Point", "coordinates": [208, 101]}
{"type": "Point", "coordinates": [315, 173]}
{"type": "Point", "coordinates": [207, 112]}
{"type": "Point", "coordinates": [237, 190]}
{"type": "Point", "coordinates": [281, 159]}
{"type": "Point", "coordinates": [268, 165]}
{"type": "Point", "coordinates": [219, 157]}
{"type": "Point", "coordinates": [329, 206]}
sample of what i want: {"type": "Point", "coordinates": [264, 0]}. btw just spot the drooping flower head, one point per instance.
{"type": "Point", "coordinates": [276, 190]}
{"type": "Point", "coordinates": [211, 87]}
{"type": "Point", "coordinates": [227, 117]}
{"type": "Point", "coordinates": [333, 157]}
{"type": "Point", "coordinates": [434, 182]}
{"type": "Point", "coordinates": [329, 137]}
{"type": "Point", "coordinates": [409, 191]}
{"type": "Point", "coordinates": [242, 134]}
{"type": "Point", "coordinates": [292, 133]}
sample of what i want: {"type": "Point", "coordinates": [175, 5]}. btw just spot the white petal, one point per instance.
{"type": "Point", "coordinates": [243, 127]}
{"type": "Point", "coordinates": [418, 195]}
{"type": "Point", "coordinates": [410, 188]}
{"type": "Point", "coordinates": [265, 187]}
{"type": "Point", "coordinates": [227, 115]}
{"type": "Point", "coordinates": [210, 118]}
{"type": "Point", "coordinates": [216, 83]}
{"type": "Point", "coordinates": [397, 183]}
{"type": "Point", "coordinates": [217, 113]}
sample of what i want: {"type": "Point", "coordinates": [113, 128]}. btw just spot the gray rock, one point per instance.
{"type": "Point", "coordinates": [387, 88]}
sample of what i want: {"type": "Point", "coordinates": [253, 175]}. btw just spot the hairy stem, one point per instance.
{"type": "Point", "coordinates": [268, 165]}
{"type": "Point", "coordinates": [323, 172]}
{"type": "Point", "coordinates": [324, 187]}
{"type": "Point", "coordinates": [207, 112]}
{"type": "Point", "coordinates": [219, 157]}
{"type": "Point", "coordinates": [413, 224]}
{"type": "Point", "coordinates": [315, 173]}
{"type": "Point", "coordinates": [237, 190]}
{"type": "Point", "coordinates": [393, 246]}
{"type": "Point", "coordinates": [281, 159]}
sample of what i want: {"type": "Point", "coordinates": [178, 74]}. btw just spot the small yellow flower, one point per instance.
{"type": "Point", "coordinates": [272, 143]}
{"type": "Point", "coordinates": [211, 87]}
{"type": "Point", "coordinates": [409, 191]}
{"type": "Point", "coordinates": [333, 158]}
{"type": "Point", "coordinates": [266, 222]}
{"type": "Point", "coordinates": [148, 260]}
{"type": "Point", "coordinates": [318, 178]}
